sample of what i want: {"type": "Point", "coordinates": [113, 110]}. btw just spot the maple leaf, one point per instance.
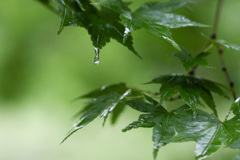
{"type": "Point", "coordinates": [191, 88]}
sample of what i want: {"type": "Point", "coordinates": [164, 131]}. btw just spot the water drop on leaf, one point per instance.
{"type": "Point", "coordinates": [127, 31]}
{"type": "Point", "coordinates": [126, 34]}
{"type": "Point", "coordinates": [96, 58]}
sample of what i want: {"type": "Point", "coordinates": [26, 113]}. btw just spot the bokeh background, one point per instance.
{"type": "Point", "coordinates": [41, 72]}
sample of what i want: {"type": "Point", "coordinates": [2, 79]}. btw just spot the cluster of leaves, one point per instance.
{"type": "Point", "coordinates": [189, 61]}
{"type": "Point", "coordinates": [114, 19]}
{"type": "Point", "coordinates": [103, 101]}
{"type": "Point", "coordinates": [179, 125]}
{"type": "Point", "coordinates": [190, 89]}
{"type": "Point", "coordinates": [186, 123]}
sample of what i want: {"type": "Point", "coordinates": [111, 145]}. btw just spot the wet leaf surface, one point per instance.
{"type": "Point", "coordinates": [189, 61]}
{"type": "Point", "coordinates": [104, 101]}
{"type": "Point", "coordinates": [155, 17]}
{"type": "Point", "coordinates": [206, 130]}
{"type": "Point", "coordinates": [101, 24]}
{"type": "Point", "coordinates": [190, 88]}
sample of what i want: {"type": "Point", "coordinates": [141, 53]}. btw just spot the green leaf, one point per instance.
{"type": "Point", "coordinates": [214, 87]}
{"type": "Point", "coordinates": [190, 88]}
{"type": "Point", "coordinates": [103, 102]}
{"type": "Point", "coordinates": [206, 130]}
{"type": "Point", "coordinates": [162, 124]}
{"type": "Point", "coordinates": [125, 14]}
{"type": "Point", "coordinates": [104, 90]}
{"type": "Point", "coordinates": [102, 25]}
{"type": "Point", "coordinates": [135, 94]}
{"type": "Point", "coordinates": [200, 60]}
{"type": "Point", "coordinates": [183, 56]}
{"type": "Point", "coordinates": [117, 112]}
{"type": "Point", "coordinates": [236, 106]}
{"type": "Point", "coordinates": [65, 13]}
{"type": "Point", "coordinates": [223, 43]}
{"type": "Point", "coordinates": [211, 135]}
{"type": "Point", "coordinates": [155, 17]}
{"type": "Point", "coordinates": [116, 5]}
{"type": "Point", "coordinates": [165, 7]}
{"type": "Point", "coordinates": [140, 105]}
{"type": "Point", "coordinates": [189, 61]}
{"type": "Point", "coordinates": [152, 101]}
{"type": "Point", "coordinates": [143, 106]}
{"type": "Point", "coordinates": [208, 99]}
{"type": "Point", "coordinates": [235, 145]}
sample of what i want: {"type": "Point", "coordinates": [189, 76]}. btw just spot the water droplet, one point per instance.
{"type": "Point", "coordinates": [96, 58]}
{"type": "Point", "coordinates": [237, 100]}
{"type": "Point", "coordinates": [126, 34]}
{"type": "Point", "coordinates": [127, 31]}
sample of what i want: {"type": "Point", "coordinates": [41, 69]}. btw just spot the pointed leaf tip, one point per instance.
{"type": "Point", "coordinates": [70, 133]}
{"type": "Point", "coordinates": [103, 102]}
{"type": "Point", "coordinates": [190, 88]}
{"type": "Point", "coordinates": [179, 126]}
{"type": "Point", "coordinates": [223, 43]}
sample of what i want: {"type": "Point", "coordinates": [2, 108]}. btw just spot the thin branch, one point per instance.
{"type": "Point", "coordinates": [174, 98]}
{"type": "Point", "coordinates": [224, 69]}
{"type": "Point", "coordinates": [220, 53]}
{"type": "Point", "coordinates": [230, 81]}
{"type": "Point", "coordinates": [220, 49]}
{"type": "Point", "coordinates": [193, 70]}
{"type": "Point", "coordinates": [209, 44]}
{"type": "Point", "coordinates": [217, 18]}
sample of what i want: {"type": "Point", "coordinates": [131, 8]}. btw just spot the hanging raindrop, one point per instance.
{"type": "Point", "coordinates": [96, 58]}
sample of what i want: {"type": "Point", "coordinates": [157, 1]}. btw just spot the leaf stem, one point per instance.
{"type": "Point", "coordinates": [174, 98]}
{"type": "Point", "coordinates": [192, 71]}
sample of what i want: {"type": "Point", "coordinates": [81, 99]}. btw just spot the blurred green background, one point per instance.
{"type": "Point", "coordinates": [41, 72]}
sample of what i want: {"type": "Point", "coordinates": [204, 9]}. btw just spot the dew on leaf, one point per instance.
{"type": "Point", "coordinates": [126, 34]}
{"type": "Point", "coordinates": [127, 30]}
{"type": "Point", "coordinates": [96, 57]}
